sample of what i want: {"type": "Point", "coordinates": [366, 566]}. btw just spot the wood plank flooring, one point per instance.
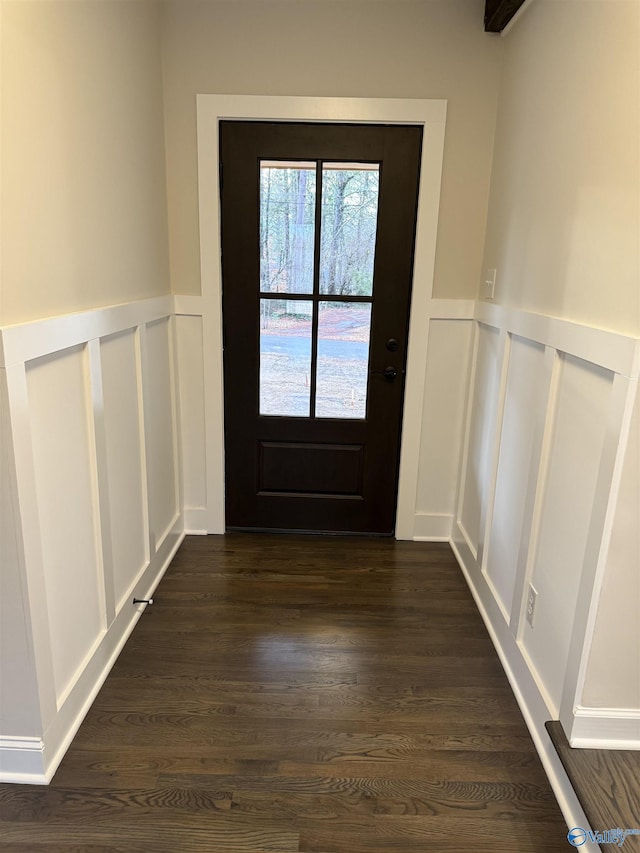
{"type": "Point", "coordinates": [607, 783]}
{"type": "Point", "coordinates": [288, 694]}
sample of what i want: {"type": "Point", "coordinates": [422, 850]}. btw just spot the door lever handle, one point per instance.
{"type": "Point", "coordinates": [389, 373]}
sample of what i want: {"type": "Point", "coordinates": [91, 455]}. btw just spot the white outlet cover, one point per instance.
{"type": "Point", "coordinates": [531, 604]}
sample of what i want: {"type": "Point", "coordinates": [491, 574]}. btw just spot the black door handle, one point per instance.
{"type": "Point", "coordinates": [389, 373]}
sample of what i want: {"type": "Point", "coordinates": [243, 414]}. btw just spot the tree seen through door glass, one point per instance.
{"type": "Point", "coordinates": [285, 357]}
{"type": "Point", "coordinates": [287, 226]}
{"type": "Point", "coordinates": [349, 222]}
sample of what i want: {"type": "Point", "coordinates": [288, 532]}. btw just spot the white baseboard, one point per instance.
{"type": "Point", "coordinates": [34, 761]}
{"type": "Point", "coordinates": [461, 545]}
{"type": "Point", "coordinates": [605, 728]}
{"type": "Point", "coordinates": [432, 527]}
{"type": "Point", "coordinates": [468, 544]}
{"type": "Point", "coordinates": [22, 760]}
{"type": "Point", "coordinates": [526, 692]}
{"type": "Point", "coordinates": [195, 520]}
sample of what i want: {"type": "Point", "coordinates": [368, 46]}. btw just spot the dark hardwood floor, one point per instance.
{"type": "Point", "coordinates": [606, 782]}
{"type": "Point", "coordinates": [289, 693]}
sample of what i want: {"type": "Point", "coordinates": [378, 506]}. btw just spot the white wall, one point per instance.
{"type": "Point", "coordinates": [19, 706]}
{"type": "Point", "coordinates": [549, 490]}
{"type": "Point", "coordinates": [519, 453]}
{"type": "Point", "coordinates": [190, 349]}
{"type": "Point", "coordinates": [84, 214]}
{"type": "Point", "coordinates": [126, 474]}
{"type": "Point", "coordinates": [91, 518]}
{"type": "Point", "coordinates": [521, 459]}
{"type": "Point", "coordinates": [566, 495]}
{"type": "Point", "coordinates": [160, 415]}
{"type": "Point", "coordinates": [538, 486]}
{"type": "Point", "coordinates": [450, 344]}
{"type": "Point", "coordinates": [482, 415]}
{"type": "Point", "coordinates": [563, 222]}
{"type": "Point", "coordinates": [65, 475]}
{"type": "Point", "coordinates": [90, 466]}
{"type": "Point", "coordinates": [613, 674]}
{"type": "Point", "coordinates": [546, 475]}
{"type": "Point", "coordinates": [422, 49]}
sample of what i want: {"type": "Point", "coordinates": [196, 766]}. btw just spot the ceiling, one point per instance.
{"type": "Point", "coordinates": [498, 13]}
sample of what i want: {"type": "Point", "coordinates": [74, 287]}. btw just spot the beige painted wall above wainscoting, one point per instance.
{"type": "Point", "coordinates": [84, 211]}
{"type": "Point", "coordinates": [382, 49]}
{"type": "Point", "coordinates": [564, 216]}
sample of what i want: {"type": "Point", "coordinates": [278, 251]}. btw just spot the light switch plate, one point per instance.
{"type": "Point", "coordinates": [489, 284]}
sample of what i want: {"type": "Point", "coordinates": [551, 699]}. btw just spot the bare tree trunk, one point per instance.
{"type": "Point", "coordinates": [287, 263]}
{"type": "Point", "coordinates": [341, 181]}
{"type": "Point", "coordinates": [264, 235]}
{"type": "Point", "coordinates": [297, 284]}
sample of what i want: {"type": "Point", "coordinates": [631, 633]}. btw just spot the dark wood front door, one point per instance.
{"type": "Point", "coordinates": [318, 229]}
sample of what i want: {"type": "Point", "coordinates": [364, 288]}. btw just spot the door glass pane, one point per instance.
{"type": "Point", "coordinates": [348, 231]}
{"type": "Point", "coordinates": [343, 359]}
{"type": "Point", "coordinates": [287, 229]}
{"type": "Point", "coordinates": [285, 356]}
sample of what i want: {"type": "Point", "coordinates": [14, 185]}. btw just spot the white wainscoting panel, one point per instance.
{"type": "Point", "coordinates": [476, 474]}
{"type": "Point", "coordinates": [445, 394]}
{"type": "Point", "coordinates": [89, 455]}
{"type": "Point", "coordinates": [190, 361]}
{"type": "Point", "coordinates": [98, 404]}
{"type": "Point", "coordinates": [124, 461]}
{"type": "Point", "coordinates": [18, 689]}
{"type": "Point", "coordinates": [159, 413]}
{"type": "Point", "coordinates": [519, 455]}
{"type": "Point", "coordinates": [548, 415]}
{"type": "Point", "coordinates": [63, 455]}
{"type": "Point", "coordinates": [613, 672]}
{"type": "Point", "coordinates": [581, 410]}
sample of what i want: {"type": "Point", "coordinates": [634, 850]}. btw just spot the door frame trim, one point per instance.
{"type": "Point", "coordinates": [431, 115]}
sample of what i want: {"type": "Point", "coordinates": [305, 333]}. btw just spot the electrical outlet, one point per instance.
{"type": "Point", "coordinates": [531, 604]}
{"type": "Point", "coordinates": [489, 284]}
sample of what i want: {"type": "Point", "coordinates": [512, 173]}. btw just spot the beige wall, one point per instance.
{"type": "Point", "coordinates": [563, 226]}
{"type": "Point", "coordinates": [387, 48]}
{"type": "Point", "coordinates": [83, 174]}
{"type": "Point", "coordinates": [563, 232]}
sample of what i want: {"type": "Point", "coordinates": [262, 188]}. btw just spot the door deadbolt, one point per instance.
{"type": "Point", "coordinates": [389, 373]}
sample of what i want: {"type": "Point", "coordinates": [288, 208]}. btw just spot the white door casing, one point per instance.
{"type": "Point", "coordinates": [212, 109]}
